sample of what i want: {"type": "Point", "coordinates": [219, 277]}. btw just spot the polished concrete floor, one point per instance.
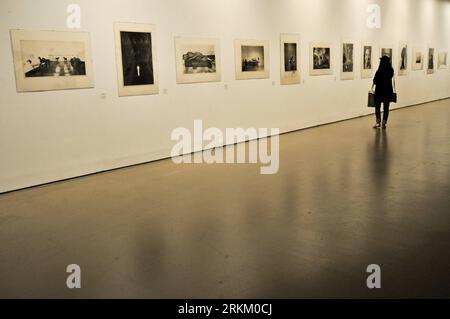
{"type": "Point", "coordinates": [346, 196]}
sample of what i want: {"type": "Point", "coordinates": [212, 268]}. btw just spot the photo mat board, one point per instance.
{"type": "Point", "coordinates": [321, 59]}
{"type": "Point", "coordinates": [290, 59]}
{"type": "Point", "coordinates": [367, 66]}
{"type": "Point", "coordinates": [252, 59]}
{"type": "Point", "coordinates": [431, 61]}
{"type": "Point", "coordinates": [403, 59]}
{"type": "Point", "coordinates": [197, 60]}
{"type": "Point", "coordinates": [417, 59]}
{"type": "Point", "coordinates": [347, 60]}
{"type": "Point", "coordinates": [442, 60]}
{"type": "Point", "coordinates": [136, 59]}
{"type": "Point", "coordinates": [51, 60]}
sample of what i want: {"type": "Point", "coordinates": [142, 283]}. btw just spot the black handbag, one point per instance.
{"type": "Point", "coordinates": [371, 100]}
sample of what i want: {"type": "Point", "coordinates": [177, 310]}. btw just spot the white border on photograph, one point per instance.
{"type": "Point", "coordinates": [132, 90]}
{"type": "Point", "coordinates": [367, 73]}
{"type": "Point", "coordinates": [183, 78]}
{"type": "Point", "coordinates": [311, 59]}
{"type": "Point", "coordinates": [290, 77]}
{"type": "Point", "coordinates": [240, 75]}
{"type": "Point", "coordinates": [49, 83]}
{"type": "Point", "coordinates": [347, 75]}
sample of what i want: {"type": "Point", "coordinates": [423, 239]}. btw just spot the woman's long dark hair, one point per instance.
{"type": "Point", "coordinates": [385, 65]}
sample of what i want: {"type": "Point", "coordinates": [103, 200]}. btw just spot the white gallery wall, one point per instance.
{"type": "Point", "coordinates": [54, 135]}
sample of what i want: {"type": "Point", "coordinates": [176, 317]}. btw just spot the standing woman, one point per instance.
{"type": "Point", "coordinates": [383, 90]}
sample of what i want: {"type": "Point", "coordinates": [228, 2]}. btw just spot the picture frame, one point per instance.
{"type": "Point", "coordinates": [367, 60]}
{"type": "Point", "coordinates": [442, 60]}
{"type": "Point", "coordinates": [403, 60]}
{"type": "Point", "coordinates": [347, 59]}
{"type": "Point", "coordinates": [136, 58]}
{"type": "Point", "coordinates": [387, 50]}
{"type": "Point", "coordinates": [418, 57]}
{"type": "Point", "coordinates": [51, 60]}
{"type": "Point", "coordinates": [252, 59]}
{"type": "Point", "coordinates": [320, 59]}
{"type": "Point", "coordinates": [290, 62]}
{"type": "Point", "coordinates": [197, 60]}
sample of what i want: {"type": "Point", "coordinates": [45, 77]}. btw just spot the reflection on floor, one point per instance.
{"type": "Point", "coordinates": [346, 196]}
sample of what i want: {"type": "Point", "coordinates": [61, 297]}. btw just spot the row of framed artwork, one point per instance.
{"type": "Point", "coordinates": [50, 60]}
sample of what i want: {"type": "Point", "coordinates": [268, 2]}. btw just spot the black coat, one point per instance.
{"type": "Point", "coordinates": [383, 83]}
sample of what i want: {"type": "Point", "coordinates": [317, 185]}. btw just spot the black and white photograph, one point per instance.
{"type": "Point", "coordinates": [252, 59]}
{"type": "Point", "coordinates": [366, 60]}
{"type": "Point", "coordinates": [200, 60]}
{"type": "Point", "coordinates": [431, 61]}
{"type": "Point", "coordinates": [320, 59]}
{"type": "Point", "coordinates": [47, 60]}
{"type": "Point", "coordinates": [347, 60]}
{"type": "Point", "coordinates": [367, 57]}
{"type": "Point", "coordinates": [403, 59]}
{"type": "Point", "coordinates": [197, 60]}
{"type": "Point", "coordinates": [290, 59]}
{"type": "Point", "coordinates": [136, 59]}
{"type": "Point", "coordinates": [442, 60]}
{"type": "Point", "coordinates": [417, 60]}
{"type": "Point", "coordinates": [347, 57]}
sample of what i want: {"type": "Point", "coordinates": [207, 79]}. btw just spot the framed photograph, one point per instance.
{"type": "Point", "coordinates": [387, 51]}
{"type": "Point", "coordinates": [252, 59]}
{"type": "Point", "coordinates": [321, 61]}
{"type": "Point", "coordinates": [290, 59]}
{"type": "Point", "coordinates": [367, 66]}
{"type": "Point", "coordinates": [417, 60]}
{"type": "Point", "coordinates": [136, 58]}
{"type": "Point", "coordinates": [442, 60]}
{"type": "Point", "coordinates": [50, 60]}
{"type": "Point", "coordinates": [347, 60]}
{"type": "Point", "coordinates": [197, 60]}
{"type": "Point", "coordinates": [403, 59]}
{"type": "Point", "coordinates": [431, 61]}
